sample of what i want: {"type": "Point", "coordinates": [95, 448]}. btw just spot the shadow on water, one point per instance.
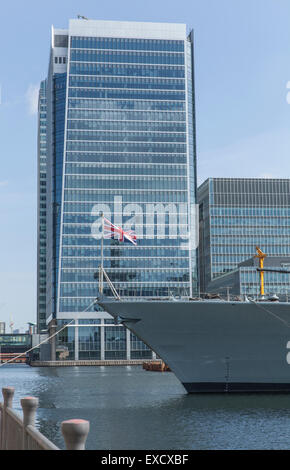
{"type": "Point", "coordinates": [130, 408]}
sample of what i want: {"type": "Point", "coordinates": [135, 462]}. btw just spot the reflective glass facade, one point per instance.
{"type": "Point", "coordinates": [122, 126]}
{"type": "Point", "coordinates": [98, 339]}
{"type": "Point", "coordinates": [246, 279]}
{"type": "Point", "coordinates": [275, 283]}
{"type": "Point", "coordinates": [236, 215]}
{"type": "Point", "coordinates": [41, 209]}
{"type": "Point", "coordinates": [14, 343]}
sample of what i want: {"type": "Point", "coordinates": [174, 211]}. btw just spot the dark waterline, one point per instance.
{"type": "Point", "coordinates": [129, 408]}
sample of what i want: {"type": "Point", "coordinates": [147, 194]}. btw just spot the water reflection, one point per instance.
{"type": "Point", "coordinates": [130, 408]}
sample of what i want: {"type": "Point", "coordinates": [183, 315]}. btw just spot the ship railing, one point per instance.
{"type": "Point", "coordinates": [132, 293]}
{"type": "Point", "coordinates": [281, 297]}
{"type": "Point", "coordinates": [138, 295]}
{"type": "Point", "coordinates": [20, 433]}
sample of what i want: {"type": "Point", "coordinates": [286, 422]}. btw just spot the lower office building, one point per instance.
{"type": "Point", "coordinates": [99, 339]}
{"type": "Point", "coordinates": [14, 344]}
{"type": "Point", "coordinates": [246, 280]}
{"type": "Point", "coordinates": [236, 215]}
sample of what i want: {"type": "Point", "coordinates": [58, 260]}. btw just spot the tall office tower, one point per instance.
{"type": "Point", "coordinates": [41, 210]}
{"type": "Point", "coordinates": [236, 215]}
{"type": "Point", "coordinates": [121, 140]}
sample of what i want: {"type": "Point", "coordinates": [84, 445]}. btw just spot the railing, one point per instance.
{"type": "Point", "coordinates": [201, 297]}
{"type": "Point", "coordinates": [9, 356]}
{"type": "Point", "coordinates": [281, 297]}
{"type": "Point", "coordinates": [18, 433]}
{"type": "Point", "coordinates": [207, 296]}
{"type": "Point", "coordinates": [165, 292]}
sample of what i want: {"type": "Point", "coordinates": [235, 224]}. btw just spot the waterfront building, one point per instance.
{"type": "Point", "coordinates": [236, 215]}
{"type": "Point", "coordinates": [245, 279]}
{"type": "Point", "coordinates": [41, 210]}
{"type": "Point", "coordinates": [11, 345]}
{"type": "Point", "coordinates": [120, 138]}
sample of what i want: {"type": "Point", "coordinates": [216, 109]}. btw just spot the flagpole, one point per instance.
{"type": "Point", "coordinates": [102, 256]}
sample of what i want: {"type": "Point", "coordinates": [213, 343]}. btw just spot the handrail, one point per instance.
{"type": "Point", "coordinates": [17, 433]}
{"type": "Point", "coordinates": [40, 439]}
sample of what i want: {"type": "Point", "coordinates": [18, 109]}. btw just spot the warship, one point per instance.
{"type": "Point", "coordinates": [214, 345]}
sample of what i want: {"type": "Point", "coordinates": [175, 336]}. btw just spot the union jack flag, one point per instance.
{"type": "Point", "coordinates": [112, 231]}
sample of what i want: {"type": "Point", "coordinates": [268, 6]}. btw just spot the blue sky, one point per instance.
{"type": "Point", "coordinates": [242, 67]}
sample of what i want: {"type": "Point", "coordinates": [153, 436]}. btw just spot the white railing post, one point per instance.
{"type": "Point", "coordinates": [75, 433]}
{"type": "Point", "coordinates": [29, 407]}
{"type": "Point", "coordinates": [8, 393]}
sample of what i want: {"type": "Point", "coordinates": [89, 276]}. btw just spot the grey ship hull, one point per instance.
{"type": "Point", "coordinates": [215, 346]}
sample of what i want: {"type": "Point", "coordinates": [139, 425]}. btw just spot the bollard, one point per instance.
{"type": "Point", "coordinates": [75, 433]}
{"type": "Point", "coordinates": [8, 393]}
{"type": "Point", "coordinates": [29, 407]}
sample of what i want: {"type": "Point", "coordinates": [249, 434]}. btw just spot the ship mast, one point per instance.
{"type": "Point", "coordinates": [261, 256]}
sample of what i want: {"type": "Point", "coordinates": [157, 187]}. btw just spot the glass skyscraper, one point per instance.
{"type": "Point", "coordinates": [236, 215]}
{"type": "Point", "coordinates": [121, 140]}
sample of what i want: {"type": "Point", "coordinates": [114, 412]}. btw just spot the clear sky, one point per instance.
{"type": "Point", "coordinates": [242, 68]}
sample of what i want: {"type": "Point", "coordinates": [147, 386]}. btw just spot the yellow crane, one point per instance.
{"type": "Point", "coordinates": [261, 257]}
